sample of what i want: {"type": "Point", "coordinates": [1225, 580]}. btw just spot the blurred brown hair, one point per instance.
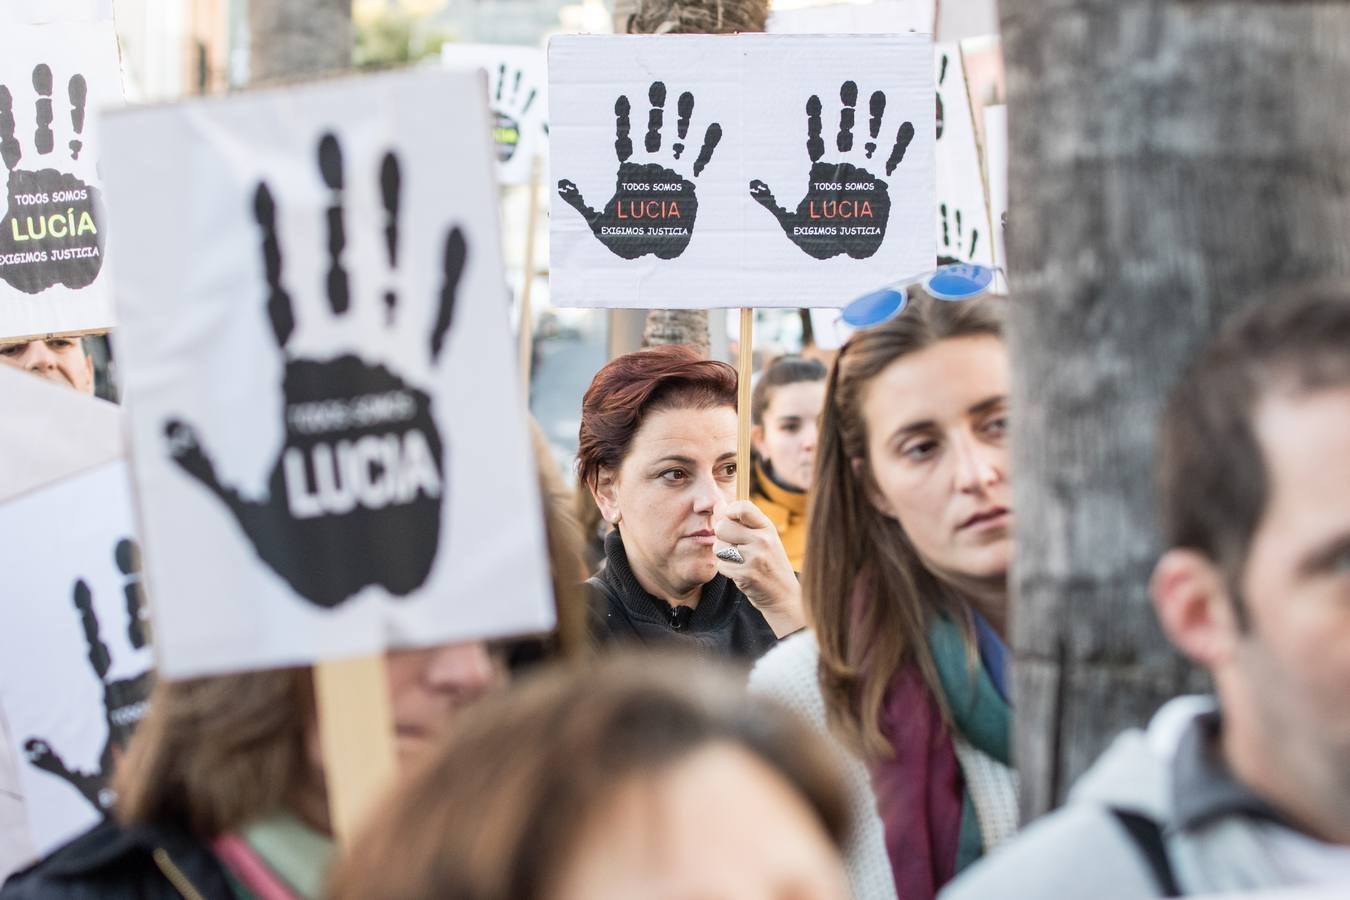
{"type": "Point", "coordinates": [495, 812]}
{"type": "Point", "coordinates": [215, 753]}
{"type": "Point", "coordinates": [851, 546]}
{"type": "Point", "coordinates": [567, 566]}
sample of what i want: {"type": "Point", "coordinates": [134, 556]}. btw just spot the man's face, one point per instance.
{"type": "Point", "coordinates": [1293, 661]}
{"type": "Point", "coordinates": [60, 359]}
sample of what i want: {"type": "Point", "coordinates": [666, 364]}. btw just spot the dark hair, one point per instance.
{"type": "Point", "coordinates": [496, 810]}
{"type": "Point", "coordinates": [1211, 473]}
{"type": "Point", "coordinates": [631, 387]}
{"type": "Point", "coordinates": [781, 372]}
{"type": "Point", "coordinates": [850, 544]}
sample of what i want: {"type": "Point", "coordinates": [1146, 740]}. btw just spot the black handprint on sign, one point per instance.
{"type": "Point", "coordinates": [508, 110]}
{"type": "Point", "coordinates": [124, 704]}
{"type": "Point", "coordinates": [653, 207]}
{"type": "Point", "coordinates": [52, 231]}
{"type": "Point", "coordinates": [941, 110]}
{"type": "Point", "coordinates": [846, 207]}
{"type": "Point", "coordinates": [355, 497]}
{"type": "Point", "coordinates": [953, 249]}
{"type": "Point", "coordinates": [128, 558]}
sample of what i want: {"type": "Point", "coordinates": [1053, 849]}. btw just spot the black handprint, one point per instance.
{"type": "Point", "coordinates": [653, 207]}
{"type": "Point", "coordinates": [846, 207]}
{"type": "Point", "coordinates": [52, 231]}
{"type": "Point", "coordinates": [941, 110]}
{"type": "Point", "coordinates": [128, 558]}
{"type": "Point", "coordinates": [953, 249]}
{"type": "Point", "coordinates": [508, 109]}
{"type": "Point", "coordinates": [124, 704]}
{"type": "Point", "coordinates": [355, 497]}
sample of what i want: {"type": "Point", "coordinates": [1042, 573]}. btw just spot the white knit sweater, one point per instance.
{"type": "Point", "coordinates": [788, 674]}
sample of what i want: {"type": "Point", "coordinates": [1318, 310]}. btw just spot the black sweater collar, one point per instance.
{"type": "Point", "coordinates": [716, 604]}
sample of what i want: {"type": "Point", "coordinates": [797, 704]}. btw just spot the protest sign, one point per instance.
{"type": "Point", "coordinates": [703, 211]}
{"type": "Point", "coordinates": [56, 71]}
{"type": "Point", "coordinates": [51, 432]}
{"type": "Point", "coordinates": [327, 436]}
{"type": "Point", "coordinates": [74, 657]}
{"type": "Point", "coordinates": [996, 162]}
{"type": "Point", "coordinates": [72, 629]}
{"type": "Point", "coordinates": [517, 98]}
{"type": "Point", "coordinates": [963, 213]}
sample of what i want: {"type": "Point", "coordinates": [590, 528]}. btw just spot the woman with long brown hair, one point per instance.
{"type": "Point", "coordinates": [905, 582]}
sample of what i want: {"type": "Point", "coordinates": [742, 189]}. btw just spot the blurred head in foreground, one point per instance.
{"type": "Point", "coordinates": [1254, 478]}
{"type": "Point", "coordinates": [631, 778]}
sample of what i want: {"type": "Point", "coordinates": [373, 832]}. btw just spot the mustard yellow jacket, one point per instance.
{"type": "Point", "coordinates": [786, 509]}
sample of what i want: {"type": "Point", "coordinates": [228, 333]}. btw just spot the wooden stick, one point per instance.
{"type": "Point", "coordinates": [356, 732]}
{"type": "Point", "coordinates": [744, 369]}
{"type": "Point", "coordinates": [977, 128]}
{"type": "Point", "coordinates": [525, 333]}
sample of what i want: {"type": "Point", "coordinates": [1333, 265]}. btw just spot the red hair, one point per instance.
{"type": "Point", "coordinates": [632, 386]}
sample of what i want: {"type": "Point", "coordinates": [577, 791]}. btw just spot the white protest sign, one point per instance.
{"type": "Point", "coordinates": [996, 163]}
{"type": "Point", "coordinates": [882, 17]}
{"type": "Point", "coordinates": [733, 171]}
{"type": "Point", "coordinates": [517, 98]}
{"type": "Point", "coordinates": [50, 432]}
{"type": "Point", "coordinates": [54, 76]}
{"type": "Point", "coordinates": [74, 656]}
{"type": "Point", "coordinates": [325, 424]}
{"type": "Point", "coordinates": [963, 215]}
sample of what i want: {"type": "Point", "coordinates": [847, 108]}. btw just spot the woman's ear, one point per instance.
{"type": "Point", "coordinates": [869, 489]}
{"type": "Point", "coordinates": [605, 490]}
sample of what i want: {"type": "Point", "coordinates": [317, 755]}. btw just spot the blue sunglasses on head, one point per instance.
{"type": "Point", "coordinates": [957, 281]}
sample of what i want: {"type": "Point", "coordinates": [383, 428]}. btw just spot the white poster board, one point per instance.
{"type": "Point", "coordinates": [74, 654]}
{"type": "Point", "coordinates": [963, 215]}
{"type": "Point", "coordinates": [703, 172]}
{"type": "Point", "coordinates": [50, 432]}
{"type": "Point", "coordinates": [517, 98]}
{"type": "Point", "coordinates": [996, 163]}
{"type": "Point", "coordinates": [327, 441]}
{"type": "Point", "coordinates": [54, 77]}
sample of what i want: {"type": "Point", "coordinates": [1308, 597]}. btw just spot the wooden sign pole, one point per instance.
{"type": "Point", "coordinates": [356, 732]}
{"type": "Point", "coordinates": [525, 334]}
{"type": "Point", "coordinates": [744, 368]}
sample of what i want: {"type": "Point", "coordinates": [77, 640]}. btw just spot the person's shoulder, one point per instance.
{"type": "Point", "coordinates": [788, 674]}
{"type": "Point", "coordinates": [790, 664]}
{"type": "Point", "coordinates": [112, 861]}
{"type": "Point", "coordinates": [1081, 850]}
{"type": "Point", "coordinates": [75, 869]}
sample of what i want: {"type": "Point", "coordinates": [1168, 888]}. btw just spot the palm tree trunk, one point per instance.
{"type": "Point", "coordinates": [686, 326]}
{"type": "Point", "coordinates": [1172, 161]}
{"type": "Point", "coordinates": [292, 39]}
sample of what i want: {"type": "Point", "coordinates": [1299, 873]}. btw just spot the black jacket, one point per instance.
{"type": "Point", "coordinates": [724, 623]}
{"type": "Point", "coordinates": [110, 862]}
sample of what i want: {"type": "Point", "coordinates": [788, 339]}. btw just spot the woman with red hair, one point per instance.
{"type": "Point", "coordinates": [658, 453]}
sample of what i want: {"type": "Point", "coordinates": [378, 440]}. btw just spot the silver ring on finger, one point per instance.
{"type": "Point", "coordinates": [731, 554]}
